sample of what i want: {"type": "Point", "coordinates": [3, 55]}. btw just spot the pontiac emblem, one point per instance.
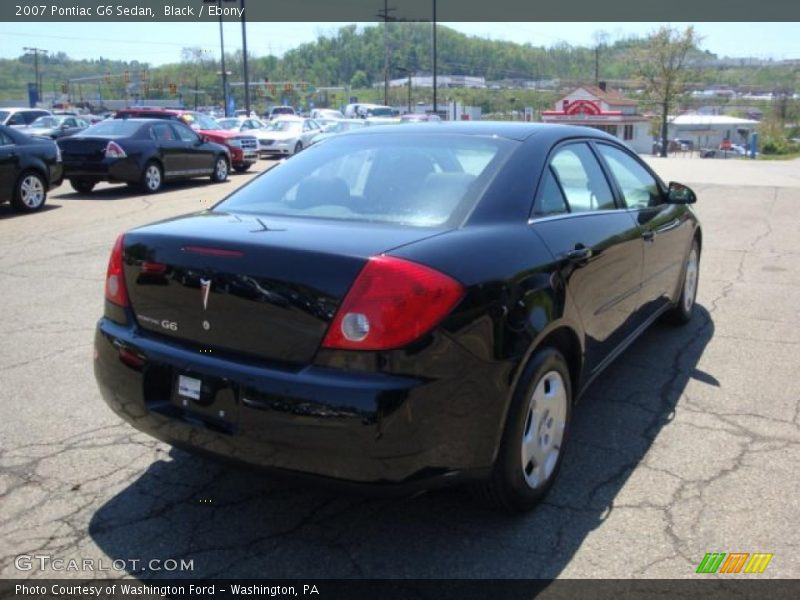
{"type": "Point", "coordinates": [205, 287]}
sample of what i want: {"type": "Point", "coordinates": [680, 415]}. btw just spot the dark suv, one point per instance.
{"type": "Point", "coordinates": [243, 148]}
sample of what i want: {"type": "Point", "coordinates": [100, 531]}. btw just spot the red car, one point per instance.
{"type": "Point", "coordinates": [243, 148]}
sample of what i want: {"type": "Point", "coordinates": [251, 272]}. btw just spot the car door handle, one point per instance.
{"type": "Point", "coordinates": [649, 236]}
{"type": "Point", "coordinates": [579, 254]}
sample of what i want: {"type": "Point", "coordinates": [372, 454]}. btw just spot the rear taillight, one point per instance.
{"type": "Point", "coordinates": [115, 278]}
{"type": "Point", "coordinates": [392, 303]}
{"type": "Point", "coordinates": [114, 150]}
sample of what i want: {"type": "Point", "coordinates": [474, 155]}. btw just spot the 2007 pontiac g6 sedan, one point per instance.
{"type": "Point", "coordinates": [399, 306]}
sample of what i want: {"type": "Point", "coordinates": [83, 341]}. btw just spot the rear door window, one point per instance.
{"type": "Point", "coordinates": [581, 178]}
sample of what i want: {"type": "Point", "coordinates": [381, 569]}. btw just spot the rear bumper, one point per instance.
{"type": "Point", "coordinates": [113, 170]}
{"type": "Point", "coordinates": [369, 429]}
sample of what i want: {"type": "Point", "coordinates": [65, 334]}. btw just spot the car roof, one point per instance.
{"type": "Point", "coordinates": [510, 130]}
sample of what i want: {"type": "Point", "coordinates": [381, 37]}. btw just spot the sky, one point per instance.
{"type": "Point", "coordinates": [158, 43]}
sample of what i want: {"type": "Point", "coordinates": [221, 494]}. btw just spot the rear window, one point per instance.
{"type": "Point", "coordinates": [424, 181]}
{"type": "Point", "coordinates": [113, 127]}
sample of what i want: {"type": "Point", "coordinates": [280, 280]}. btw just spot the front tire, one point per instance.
{"type": "Point", "coordinates": [682, 312]}
{"type": "Point", "coordinates": [220, 172]}
{"type": "Point", "coordinates": [298, 147]}
{"type": "Point", "coordinates": [82, 186]}
{"type": "Point", "coordinates": [30, 193]}
{"type": "Point", "coordinates": [241, 168]}
{"type": "Point", "coordinates": [536, 432]}
{"type": "Point", "coordinates": [152, 178]}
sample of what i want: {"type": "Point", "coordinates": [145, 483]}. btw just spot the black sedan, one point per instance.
{"type": "Point", "coordinates": [29, 167]}
{"type": "Point", "coordinates": [145, 152]}
{"type": "Point", "coordinates": [409, 305]}
{"type": "Point", "coordinates": [56, 126]}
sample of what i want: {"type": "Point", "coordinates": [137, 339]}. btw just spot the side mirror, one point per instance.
{"type": "Point", "coordinates": [65, 126]}
{"type": "Point", "coordinates": [680, 194]}
{"type": "Point", "coordinates": [204, 139]}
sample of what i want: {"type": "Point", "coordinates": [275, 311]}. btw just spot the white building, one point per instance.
{"type": "Point", "coordinates": [708, 131]}
{"type": "Point", "coordinates": [604, 109]}
{"type": "Point", "coordinates": [442, 81]}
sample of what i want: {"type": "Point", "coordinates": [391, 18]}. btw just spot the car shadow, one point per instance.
{"type": "Point", "coordinates": [7, 211]}
{"type": "Point", "coordinates": [124, 191]}
{"type": "Point", "coordinates": [237, 523]}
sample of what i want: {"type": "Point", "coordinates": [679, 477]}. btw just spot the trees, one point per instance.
{"type": "Point", "coordinates": [663, 65]}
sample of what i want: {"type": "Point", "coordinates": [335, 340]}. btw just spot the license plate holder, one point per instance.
{"type": "Point", "coordinates": [213, 400]}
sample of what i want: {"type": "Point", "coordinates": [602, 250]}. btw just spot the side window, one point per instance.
{"type": "Point", "coordinates": [16, 119]}
{"type": "Point", "coordinates": [582, 179]}
{"type": "Point", "coordinates": [71, 123]}
{"type": "Point", "coordinates": [550, 201]}
{"type": "Point", "coordinates": [162, 132]}
{"type": "Point", "coordinates": [637, 184]}
{"type": "Point", "coordinates": [185, 134]}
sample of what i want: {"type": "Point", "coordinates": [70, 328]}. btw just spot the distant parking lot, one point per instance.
{"type": "Point", "coordinates": [688, 444]}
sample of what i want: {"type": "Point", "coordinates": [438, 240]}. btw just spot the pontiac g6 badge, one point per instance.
{"type": "Point", "coordinates": [205, 287]}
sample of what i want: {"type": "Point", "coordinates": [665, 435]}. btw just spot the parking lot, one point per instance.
{"type": "Point", "coordinates": [689, 443]}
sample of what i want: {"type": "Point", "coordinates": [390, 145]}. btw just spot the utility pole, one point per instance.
{"type": "Point", "coordinates": [596, 65]}
{"type": "Point", "coordinates": [384, 14]}
{"type": "Point", "coordinates": [36, 52]}
{"type": "Point", "coordinates": [434, 57]}
{"type": "Point", "coordinates": [244, 58]}
{"type": "Point", "coordinates": [222, 57]}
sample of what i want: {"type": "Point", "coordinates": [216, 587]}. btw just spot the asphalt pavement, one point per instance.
{"type": "Point", "coordinates": [688, 444]}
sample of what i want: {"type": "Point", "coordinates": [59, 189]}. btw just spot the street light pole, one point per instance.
{"type": "Point", "coordinates": [434, 57]}
{"type": "Point", "coordinates": [222, 57]}
{"type": "Point", "coordinates": [244, 58]}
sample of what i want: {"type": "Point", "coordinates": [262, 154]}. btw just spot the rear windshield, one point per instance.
{"type": "Point", "coordinates": [113, 127]}
{"type": "Point", "coordinates": [419, 180]}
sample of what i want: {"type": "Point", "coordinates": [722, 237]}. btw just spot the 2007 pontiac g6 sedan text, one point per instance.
{"type": "Point", "coordinates": [399, 305]}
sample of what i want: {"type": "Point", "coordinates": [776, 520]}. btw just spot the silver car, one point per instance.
{"type": "Point", "coordinates": [287, 136]}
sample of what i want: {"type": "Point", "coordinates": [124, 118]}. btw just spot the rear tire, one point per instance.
{"type": "Point", "coordinates": [220, 172]}
{"type": "Point", "coordinates": [682, 312]}
{"type": "Point", "coordinates": [152, 178]}
{"type": "Point", "coordinates": [30, 193]}
{"type": "Point", "coordinates": [82, 186]}
{"type": "Point", "coordinates": [535, 435]}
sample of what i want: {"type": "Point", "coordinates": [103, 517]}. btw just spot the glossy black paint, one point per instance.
{"type": "Point", "coordinates": [84, 158]}
{"type": "Point", "coordinates": [432, 410]}
{"type": "Point", "coordinates": [20, 153]}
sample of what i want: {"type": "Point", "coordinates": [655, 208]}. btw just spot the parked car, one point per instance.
{"type": "Point", "coordinates": [351, 110]}
{"type": "Point", "coordinates": [287, 136]}
{"type": "Point", "coordinates": [241, 124]}
{"type": "Point", "coordinates": [337, 127]}
{"type": "Point", "coordinates": [21, 117]}
{"type": "Point", "coordinates": [325, 113]}
{"type": "Point", "coordinates": [144, 152]}
{"type": "Point", "coordinates": [426, 305]}
{"type": "Point", "coordinates": [56, 126]}
{"type": "Point", "coordinates": [243, 148]}
{"type": "Point", "coordinates": [371, 111]}
{"type": "Point", "coordinates": [29, 168]}
{"type": "Point", "coordinates": [279, 111]}
{"type": "Point", "coordinates": [420, 118]}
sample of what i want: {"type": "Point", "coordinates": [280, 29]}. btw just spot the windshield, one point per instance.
{"type": "Point", "coordinates": [112, 127]}
{"type": "Point", "coordinates": [379, 112]}
{"type": "Point", "coordinates": [229, 124]}
{"type": "Point", "coordinates": [341, 126]}
{"type": "Point", "coordinates": [199, 121]}
{"type": "Point", "coordinates": [419, 180]}
{"type": "Point", "coordinates": [48, 122]}
{"type": "Point", "coordinates": [285, 126]}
